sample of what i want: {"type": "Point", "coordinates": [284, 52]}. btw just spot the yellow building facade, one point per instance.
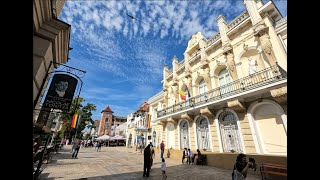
{"type": "Point", "coordinates": [235, 87]}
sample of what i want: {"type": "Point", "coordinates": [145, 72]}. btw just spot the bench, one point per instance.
{"type": "Point", "coordinates": [202, 160]}
{"type": "Point", "coordinates": [272, 169]}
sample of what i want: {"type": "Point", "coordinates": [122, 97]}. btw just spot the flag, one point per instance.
{"type": "Point", "coordinates": [75, 121]}
{"type": "Point", "coordinates": [149, 120]}
{"type": "Point", "coordinates": [188, 94]}
{"type": "Point", "coordinates": [182, 95]}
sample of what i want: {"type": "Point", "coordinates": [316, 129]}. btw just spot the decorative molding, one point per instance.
{"type": "Point", "coordinates": [188, 117]}
{"type": "Point", "coordinates": [237, 106]}
{"type": "Point", "coordinates": [280, 95]}
{"type": "Point", "coordinates": [172, 120]}
{"type": "Point", "coordinates": [207, 112]}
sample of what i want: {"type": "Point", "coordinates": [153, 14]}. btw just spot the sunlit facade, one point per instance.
{"type": "Point", "coordinates": [237, 82]}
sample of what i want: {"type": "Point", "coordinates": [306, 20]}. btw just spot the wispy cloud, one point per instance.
{"type": "Point", "coordinates": [124, 57]}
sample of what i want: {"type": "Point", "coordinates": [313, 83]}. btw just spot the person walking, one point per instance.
{"type": "Point", "coordinates": [162, 146]}
{"type": "Point", "coordinates": [75, 148]}
{"type": "Point", "coordinates": [146, 162]}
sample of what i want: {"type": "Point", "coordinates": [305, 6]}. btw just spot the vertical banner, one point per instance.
{"type": "Point", "coordinates": [60, 92]}
{"type": "Point", "coordinates": [149, 120]}
{"type": "Point", "coordinates": [74, 121]}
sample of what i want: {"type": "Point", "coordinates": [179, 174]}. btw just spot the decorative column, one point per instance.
{"type": "Point", "coordinates": [260, 30]}
{"type": "Point", "coordinates": [165, 75]}
{"type": "Point", "coordinates": [174, 71]}
{"type": "Point", "coordinates": [253, 11]}
{"type": "Point", "coordinates": [227, 48]}
{"type": "Point", "coordinates": [206, 76]}
{"type": "Point", "coordinates": [266, 45]}
{"type": "Point", "coordinates": [165, 84]}
{"type": "Point", "coordinates": [187, 70]}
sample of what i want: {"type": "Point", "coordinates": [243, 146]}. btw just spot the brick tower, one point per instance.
{"type": "Point", "coordinates": [105, 115]}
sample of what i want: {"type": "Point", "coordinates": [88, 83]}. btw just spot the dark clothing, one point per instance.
{"type": "Point", "coordinates": [184, 155]}
{"type": "Point", "coordinates": [146, 163]}
{"type": "Point", "coordinates": [75, 152]}
{"type": "Point", "coordinates": [75, 148]}
{"type": "Point", "coordinates": [239, 166]}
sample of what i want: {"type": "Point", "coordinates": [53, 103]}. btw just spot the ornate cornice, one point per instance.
{"type": "Point", "coordinates": [207, 112]}
{"type": "Point", "coordinates": [280, 95]}
{"type": "Point", "coordinates": [237, 106]}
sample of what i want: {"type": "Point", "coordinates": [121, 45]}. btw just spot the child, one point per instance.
{"type": "Point", "coordinates": [163, 168]}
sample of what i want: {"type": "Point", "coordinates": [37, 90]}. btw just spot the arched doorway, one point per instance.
{"type": "Point", "coordinates": [170, 135]}
{"type": "Point", "coordinates": [269, 123]}
{"type": "Point", "coordinates": [229, 132]}
{"type": "Point", "coordinates": [203, 135]}
{"type": "Point", "coordinates": [184, 134]}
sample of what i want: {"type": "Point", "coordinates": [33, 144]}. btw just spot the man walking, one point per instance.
{"type": "Point", "coordinates": [75, 148]}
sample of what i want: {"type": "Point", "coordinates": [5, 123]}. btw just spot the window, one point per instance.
{"type": "Point", "coordinates": [224, 78]}
{"type": "Point", "coordinates": [230, 136]}
{"type": "Point", "coordinates": [202, 90]}
{"type": "Point", "coordinates": [203, 133]}
{"type": "Point", "coordinates": [184, 134]}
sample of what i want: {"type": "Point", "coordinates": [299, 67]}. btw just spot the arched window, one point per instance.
{"type": "Point", "coordinates": [184, 134]}
{"type": "Point", "coordinates": [202, 90]}
{"type": "Point", "coordinates": [230, 136]}
{"type": "Point", "coordinates": [203, 133]}
{"type": "Point", "coordinates": [224, 78]}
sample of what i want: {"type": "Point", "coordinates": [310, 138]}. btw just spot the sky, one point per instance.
{"type": "Point", "coordinates": [124, 57]}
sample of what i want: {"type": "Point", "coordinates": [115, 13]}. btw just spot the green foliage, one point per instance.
{"type": "Point", "coordinates": [86, 116]}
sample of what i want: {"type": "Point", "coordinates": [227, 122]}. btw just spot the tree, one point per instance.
{"type": "Point", "coordinates": [85, 113]}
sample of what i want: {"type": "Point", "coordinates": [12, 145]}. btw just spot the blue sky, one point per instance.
{"type": "Point", "coordinates": [124, 58]}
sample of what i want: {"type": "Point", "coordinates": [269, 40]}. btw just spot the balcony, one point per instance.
{"type": "Point", "coordinates": [252, 82]}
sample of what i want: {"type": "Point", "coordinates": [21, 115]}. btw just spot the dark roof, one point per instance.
{"type": "Point", "coordinates": [107, 110]}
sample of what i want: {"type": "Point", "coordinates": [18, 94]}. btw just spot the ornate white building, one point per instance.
{"type": "Point", "coordinates": [237, 81]}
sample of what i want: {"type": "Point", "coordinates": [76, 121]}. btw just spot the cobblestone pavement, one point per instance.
{"type": "Point", "coordinates": [117, 163]}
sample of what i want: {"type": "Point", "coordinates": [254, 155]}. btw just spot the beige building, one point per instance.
{"type": "Point", "coordinates": [51, 38]}
{"type": "Point", "coordinates": [138, 130]}
{"type": "Point", "coordinates": [237, 86]}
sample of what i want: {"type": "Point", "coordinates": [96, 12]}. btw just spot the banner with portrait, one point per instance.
{"type": "Point", "coordinates": [60, 93]}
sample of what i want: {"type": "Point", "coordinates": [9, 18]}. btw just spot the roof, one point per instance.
{"type": "Point", "coordinates": [107, 110]}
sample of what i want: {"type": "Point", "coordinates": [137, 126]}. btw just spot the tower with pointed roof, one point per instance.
{"type": "Point", "coordinates": [106, 115]}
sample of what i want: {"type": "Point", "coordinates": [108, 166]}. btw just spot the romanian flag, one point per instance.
{"type": "Point", "coordinates": [183, 96]}
{"type": "Point", "coordinates": [75, 121]}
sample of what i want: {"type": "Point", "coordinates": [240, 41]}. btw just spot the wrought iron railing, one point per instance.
{"type": "Point", "coordinates": [259, 79]}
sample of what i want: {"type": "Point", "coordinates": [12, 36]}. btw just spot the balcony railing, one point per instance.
{"type": "Point", "coordinates": [259, 79]}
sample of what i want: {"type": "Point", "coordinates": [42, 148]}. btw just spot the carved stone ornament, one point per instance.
{"type": "Point", "coordinates": [207, 112]}
{"type": "Point", "coordinates": [237, 106]}
{"type": "Point", "coordinates": [280, 95]}
{"type": "Point", "coordinates": [188, 117]}
{"type": "Point", "coordinates": [172, 120]}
